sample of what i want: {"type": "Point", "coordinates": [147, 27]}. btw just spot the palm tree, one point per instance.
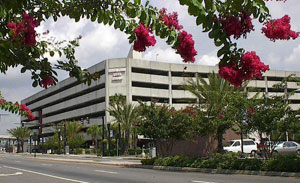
{"type": "Point", "coordinates": [125, 114]}
{"type": "Point", "coordinates": [212, 95]}
{"type": "Point", "coordinates": [72, 130]}
{"type": "Point", "coordinates": [94, 131]}
{"type": "Point", "coordinates": [21, 133]}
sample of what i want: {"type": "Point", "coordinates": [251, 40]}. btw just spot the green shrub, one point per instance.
{"type": "Point", "coordinates": [88, 151]}
{"type": "Point", "coordinates": [78, 151]}
{"type": "Point", "coordinates": [148, 161]}
{"type": "Point", "coordinates": [230, 161]}
{"type": "Point", "coordinates": [283, 163]}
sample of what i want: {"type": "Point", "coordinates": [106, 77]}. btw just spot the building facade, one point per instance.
{"type": "Point", "coordinates": [136, 79]}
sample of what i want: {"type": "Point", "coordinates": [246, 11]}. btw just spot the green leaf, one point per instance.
{"type": "Point", "coordinates": [123, 25]}
{"type": "Point", "coordinates": [193, 10]}
{"type": "Point", "coordinates": [223, 50]}
{"type": "Point", "coordinates": [137, 2]}
{"type": "Point", "coordinates": [218, 42]}
{"type": "Point", "coordinates": [51, 53]}
{"type": "Point", "coordinates": [34, 84]}
{"type": "Point", "coordinates": [200, 19]}
{"type": "Point", "coordinates": [23, 70]}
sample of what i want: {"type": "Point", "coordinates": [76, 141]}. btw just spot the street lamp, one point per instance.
{"type": "Point", "coordinates": [59, 137]}
{"type": "Point", "coordinates": [59, 150]}
{"type": "Point", "coordinates": [103, 131]}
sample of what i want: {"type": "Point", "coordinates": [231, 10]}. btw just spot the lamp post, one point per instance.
{"type": "Point", "coordinates": [59, 150]}
{"type": "Point", "coordinates": [286, 102]}
{"type": "Point", "coordinates": [35, 138]}
{"type": "Point", "coordinates": [103, 131]}
{"type": "Point", "coordinates": [59, 137]}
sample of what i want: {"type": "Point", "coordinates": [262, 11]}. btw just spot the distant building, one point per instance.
{"type": "Point", "coordinates": [134, 78]}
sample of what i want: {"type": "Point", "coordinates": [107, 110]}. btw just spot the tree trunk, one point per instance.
{"type": "Point", "coordinates": [126, 143]}
{"type": "Point", "coordinates": [22, 146]}
{"type": "Point", "coordinates": [220, 143]}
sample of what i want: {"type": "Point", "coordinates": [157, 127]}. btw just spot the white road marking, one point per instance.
{"type": "Point", "coordinates": [44, 164]}
{"type": "Point", "coordinates": [6, 175]}
{"type": "Point", "coordinates": [103, 171]}
{"type": "Point", "coordinates": [17, 161]}
{"type": "Point", "coordinates": [199, 181]}
{"type": "Point", "coordinates": [47, 175]}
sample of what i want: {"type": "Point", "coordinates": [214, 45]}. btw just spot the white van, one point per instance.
{"type": "Point", "coordinates": [249, 146]}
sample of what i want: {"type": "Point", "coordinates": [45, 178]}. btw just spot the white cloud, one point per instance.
{"type": "Point", "coordinates": [294, 57]}
{"type": "Point", "coordinates": [163, 55]}
{"type": "Point", "coordinates": [208, 60]}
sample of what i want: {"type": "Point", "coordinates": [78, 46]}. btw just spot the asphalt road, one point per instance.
{"type": "Point", "coordinates": [19, 169]}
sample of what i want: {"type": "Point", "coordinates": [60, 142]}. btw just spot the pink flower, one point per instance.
{"type": "Point", "coordinates": [170, 20]}
{"type": "Point", "coordinates": [143, 38]}
{"type": "Point", "coordinates": [2, 101]}
{"type": "Point", "coordinates": [25, 30]}
{"type": "Point", "coordinates": [221, 116]}
{"type": "Point", "coordinates": [237, 25]}
{"type": "Point", "coordinates": [279, 29]}
{"type": "Point", "coordinates": [47, 81]}
{"type": "Point", "coordinates": [248, 68]}
{"type": "Point", "coordinates": [186, 47]}
{"type": "Point", "coordinates": [30, 116]}
{"type": "Point", "coordinates": [23, 107]}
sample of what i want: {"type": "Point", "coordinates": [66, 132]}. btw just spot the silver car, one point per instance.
{"type": "Point", "coordinates": [289, 147]}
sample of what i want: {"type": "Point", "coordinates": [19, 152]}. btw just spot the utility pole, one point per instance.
{"type": "Point", "coordinates": [103, 133]}
{"type": "Point", "coordinates": [59, 149]}
{"type": "Point", "coordinates": [65, 139]}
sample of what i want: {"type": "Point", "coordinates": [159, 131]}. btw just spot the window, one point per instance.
{"type": "Point", "coordinates": [249, 143]}
{"type": "Point", "coordinates": [237, 143]}
{"type": "Point", "coordinates": [291, 144]}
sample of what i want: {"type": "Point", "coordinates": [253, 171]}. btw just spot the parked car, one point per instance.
{"type": "Point", "coordinates": [289, 147]}
{"type": "Point", "coordinates": [249, 146]}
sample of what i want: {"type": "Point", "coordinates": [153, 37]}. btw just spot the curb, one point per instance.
{"type": "Point", "coordinates": [217, 171]}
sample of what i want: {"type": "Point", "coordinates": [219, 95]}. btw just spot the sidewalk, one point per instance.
{"type": "Point", "coordinates": [87, 158]}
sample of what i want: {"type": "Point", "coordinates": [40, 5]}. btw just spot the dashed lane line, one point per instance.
{"type": "Point", "coordinates": [199, 181]}
{"type": "Point", "coordinates": [47, 175]}
{"type": "Point", "coordinates": [103, 171]}
{"type": "Point", "coordinates": [45, 164]}
{"type": "Point", "coordinates": [6, 175]}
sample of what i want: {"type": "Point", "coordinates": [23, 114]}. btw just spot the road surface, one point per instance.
{"type": "Point", "coordinates": [20, 169]}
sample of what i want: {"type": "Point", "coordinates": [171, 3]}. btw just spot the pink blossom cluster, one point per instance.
{"type": "Point", "coordinates": [170, 20]}
{"type": "Point", "coordinates": [279, 29]}
{"type": "Point", "coordinates": [24, 108]}
{"type": "Point", "coordinates": [47, 81]}
{"type": "Point", "coordinates": [248, 68]}
{"type": "Point", "coordinates": [143, 38]}
{"type": "Point", "coordinates": [2, 101]}
{"type": "Point", "coordinates": [186, 47]}
{"type": "Point", "coordinates": [251, 110]}
{"type": "Point", "coordinates": [237, 25]}
{"type": "Point", "coordinates": [222, 114]}
{"type": "Point", "coordinates": [25, 30]}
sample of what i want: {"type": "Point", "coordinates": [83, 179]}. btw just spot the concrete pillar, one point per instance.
{"type": "Point", "coordinates": [266, 85]}
{"type": "Point", "coordinates": [107, 86]}
{"type": "Point", "coordinates": [170, 85]}
{"type": "Point", "coordinates": [128, 75]}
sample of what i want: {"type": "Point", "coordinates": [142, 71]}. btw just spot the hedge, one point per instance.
{"type": "Point", "coordinates": [232, 161]}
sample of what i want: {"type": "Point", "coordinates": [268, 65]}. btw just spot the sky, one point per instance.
{"type": "Point", "coordinates": [101, 42]}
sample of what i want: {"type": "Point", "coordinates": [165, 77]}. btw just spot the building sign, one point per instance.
{"type": "Point", "coordinates": [121, 69]}
{"type": "Point", "coordinates": [117, 73]}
